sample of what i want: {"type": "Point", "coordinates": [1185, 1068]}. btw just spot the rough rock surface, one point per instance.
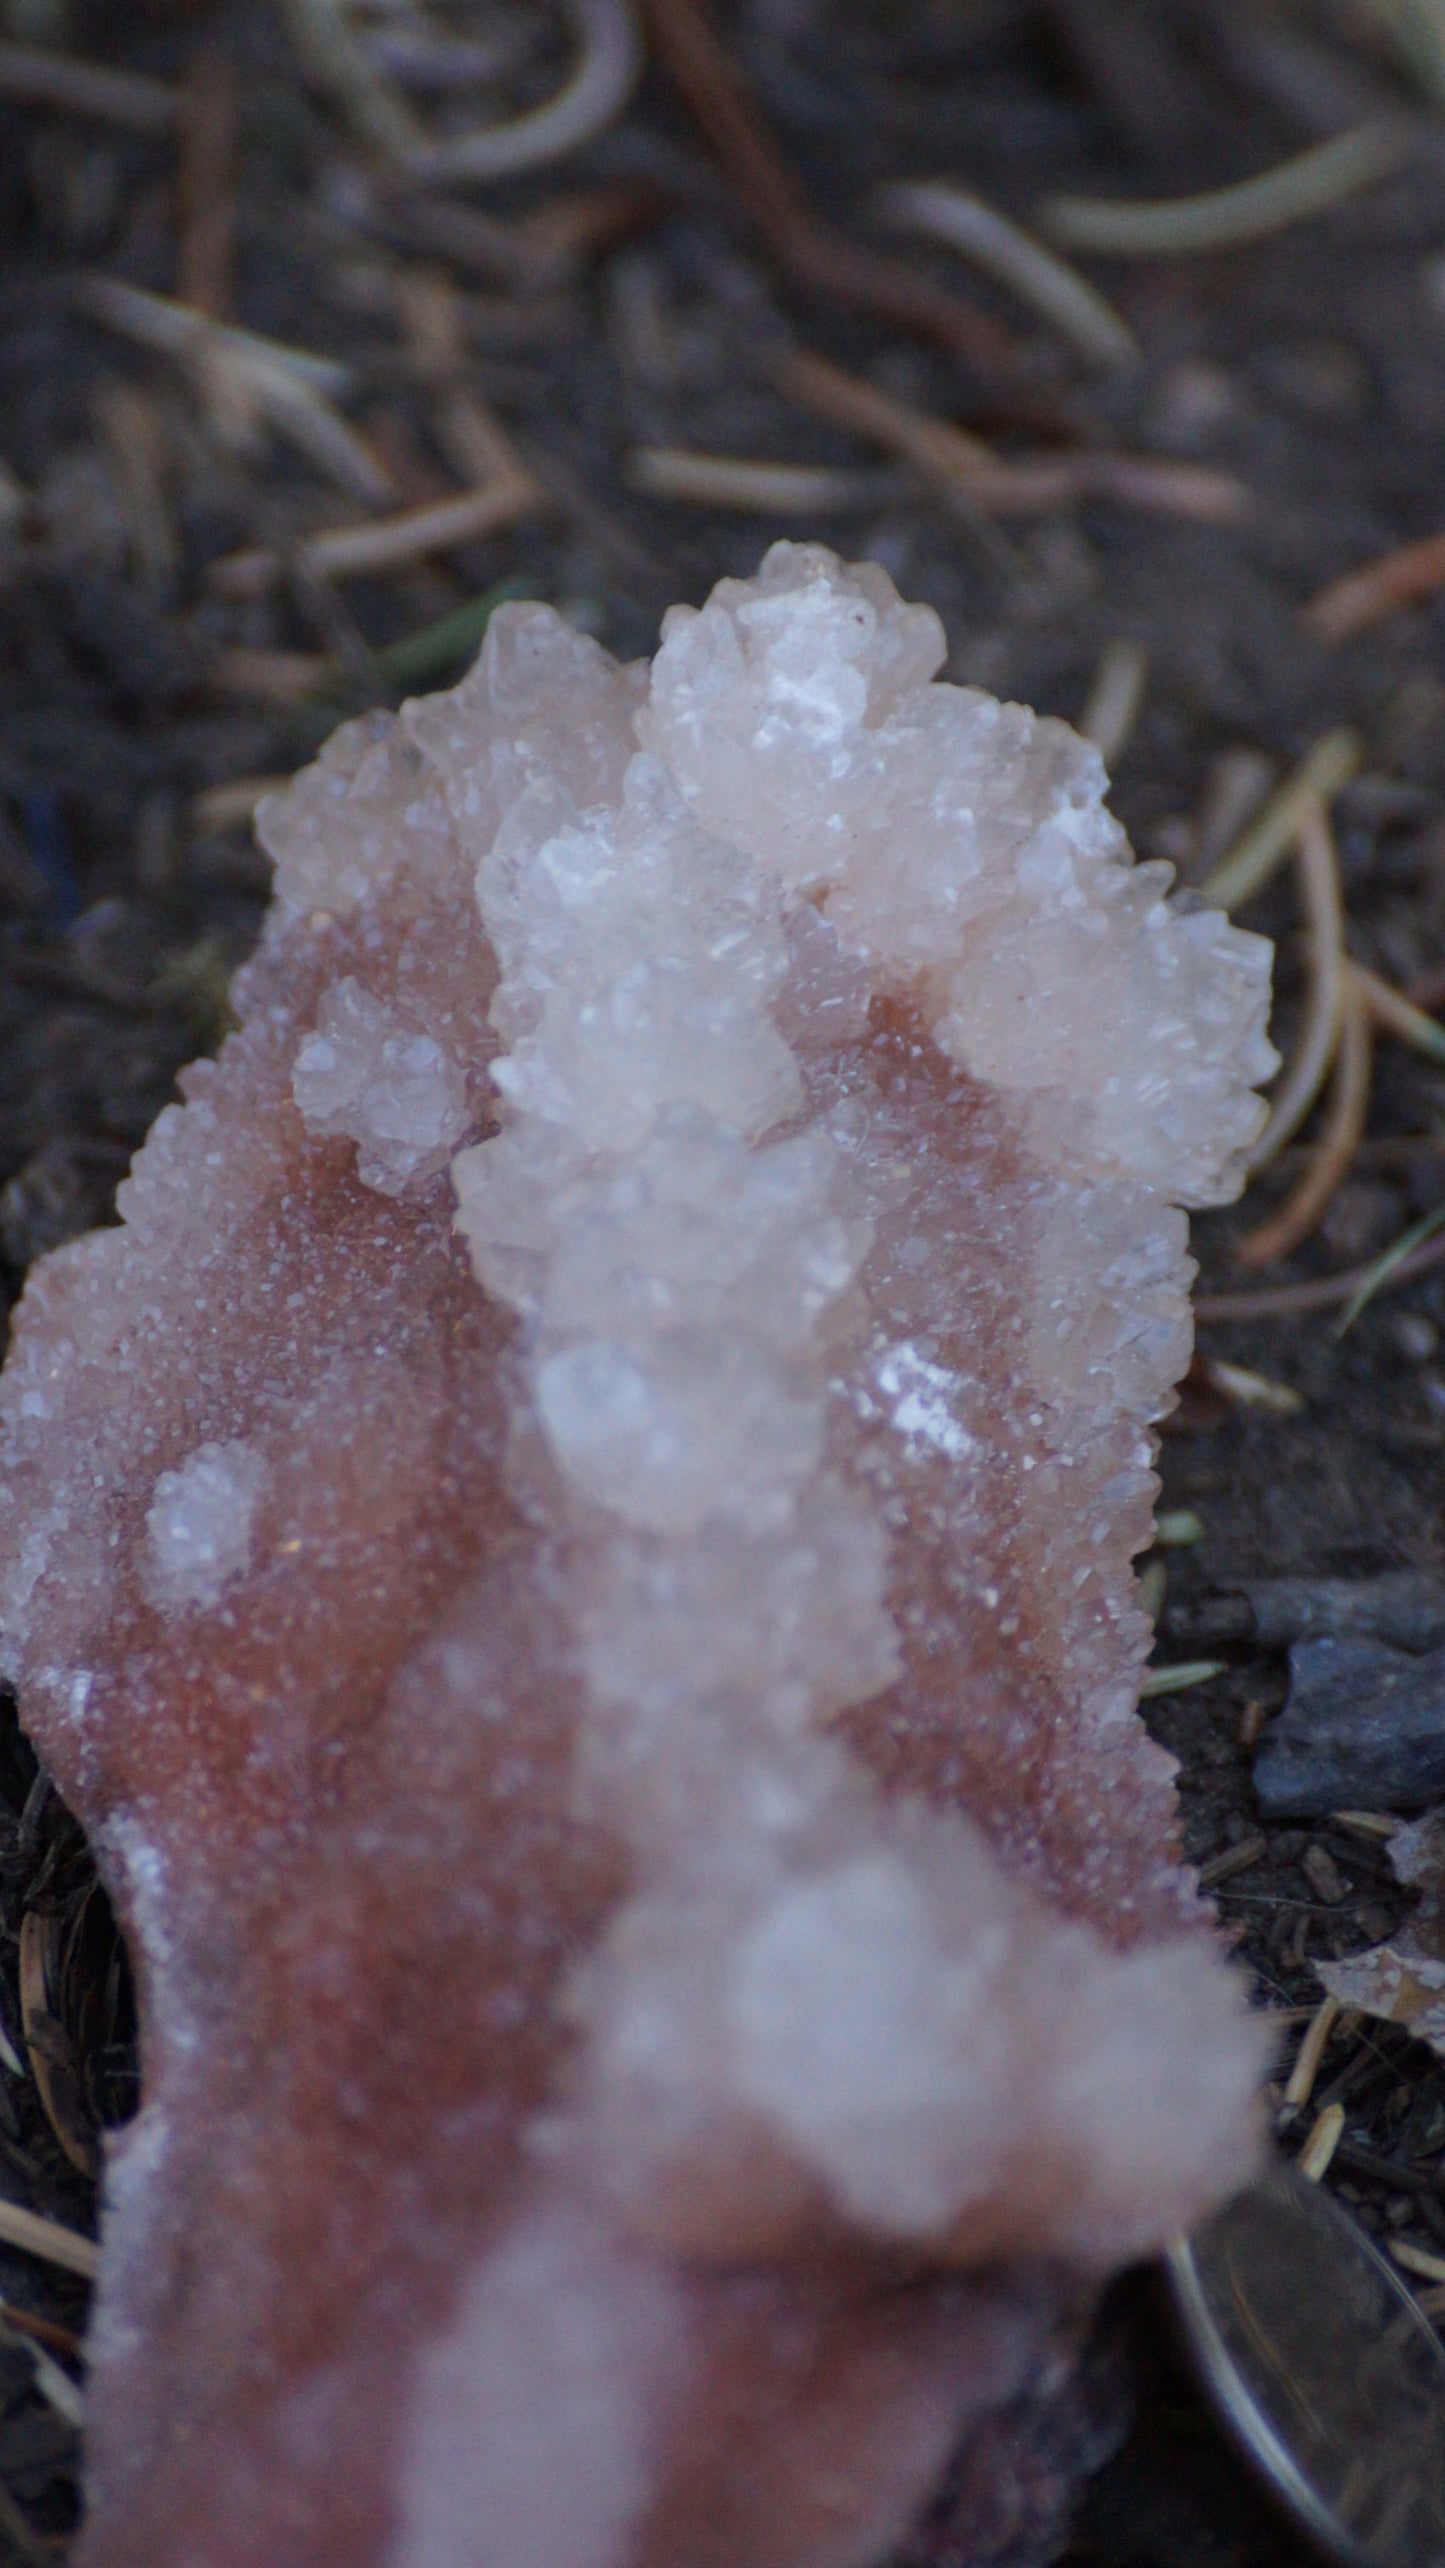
{"type": "Point", "coordinates": [1363, 1729]}
{"type": "Point", "coordinates": [1404, 1608]}
{"type": "Point", "coordinates": [574, 1556]}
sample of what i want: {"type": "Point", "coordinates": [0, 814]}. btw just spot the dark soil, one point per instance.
{"type": "Point", "coordinates": [1311, 364]}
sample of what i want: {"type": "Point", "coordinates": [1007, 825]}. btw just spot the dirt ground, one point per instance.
{"type": "Point", "coordinates": [616, 303]}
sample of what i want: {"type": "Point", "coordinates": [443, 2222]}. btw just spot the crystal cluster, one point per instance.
{"type": "Point", "coordinates": [573, 1554]}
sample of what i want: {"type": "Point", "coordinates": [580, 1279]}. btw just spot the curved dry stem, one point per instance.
{"type": "Point", "coordinates": [336, 62]}
{"type": "Point", "coordinates": [1392, 1013]}
{"type": "Point", "coordinates": [1307, 184]}
{"type": "Point", "coordinates": [1387, 1274]}
{"type": "Point", "coordinates": [1404, 577]}
{"type": "Point", "coordinates": [822, 262]}
{"type": "Point", "coordinates": [1037, 275]}
{"type": "Point", "coordinates": [607, 70]}
{"type": "Point", "coordinates": [40, 76]}
{"type": "Point", "coordinates": [1116, 700]}
{"type": "Point", "coordinates": [1304, 1208]}
{"type": "Point", "coordinates": [1319, 776]}
{"type": "Point", "coordinates": [1318, 871]}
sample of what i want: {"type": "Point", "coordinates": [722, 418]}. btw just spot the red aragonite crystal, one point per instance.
{"type": "Point", "coordinates": [573, 1555]}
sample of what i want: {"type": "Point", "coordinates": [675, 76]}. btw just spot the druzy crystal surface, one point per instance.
{"type": "Point", "coordinates": [573, 1554]}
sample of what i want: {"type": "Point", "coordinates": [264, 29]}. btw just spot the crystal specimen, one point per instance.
{"type": "Point", "coordinates": [573, 1554]}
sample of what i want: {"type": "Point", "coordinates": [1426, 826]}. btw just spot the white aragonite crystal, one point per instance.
{"type": "Point", "coordinates": [575, 1554]}
{"type": "Point", "coordinates": [964, 845]}
{"type": "Point", "coordinates": [385, 1085]}
{"type": "Point", "coordinates": [199, 1523]}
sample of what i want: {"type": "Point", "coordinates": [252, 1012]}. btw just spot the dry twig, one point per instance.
{"type": "Point", "coordinates": [158, 321]}
{"type": "Point", "coordinates": [1317, 867]}
{"type": "Point", "coordinates": [280, 678]}
{"type": "Point", "coordinates": [388, 543]}
{"type": "Point", "coordinates": [1301, 2084]}
{"type": "Point", "coordinates": [422, 58]}
{"type": "Point", "coordinates": [231, 805]}
{"type": "Point", "coordinates": [469, 432]}
{"type": "Point", "coordinates": [1076, 309]}
{"type": "Point", "coordinates": [1236, 786]}
{"type": "Point", "coordinates": [608, 67]}
{"type": "Point", "coordinates": [46, 2331]}
{"type": "Point", "coordinates": [1418, 2260]}
{"type": "Point", "coordinates": [49, 2240]}
{"type": "Point", "coordinates": [1325, 768]}
{"type": "Point", "coordinates": [1179, 1678]}
{"type": "Point", "coordinates": [1406, 577]}
{"type": "Point", "coordinates": [1243, 1388]}
{"type": "Point", "coordinates": [1386, 1265]}
{"type": "Point", "coordinates": [970, 479]}
{"type": "Point", "coordinates": [1392, 1013]}
{"type": "Point", "coordinates": [556, 241]}
{"type": "Point", "coordinates": [784, 490]}
{"type": "Point", "coordinates": [816, 258]}
{"type": "Point", "coordinates": [1324, 1292]}
{"type": "Point", "coordinates": [206, 181]}
{"type": "Point", "coordinates": [1344, 1123]}
{"type": "Point", "coordinates": [1308, 184]}
{"type": "Point", "coordinates": [242, 376]}
{"type": "Point", "coordinates": [1116, 700]}
{"type": "Point", "coordinates": [39, 76]}
{"type": "Point", "coordinates": [337, 62]}
{"type": "Point", "coordinates": [1323, 2141]}
{"type": "Point", "coordinates": [134, 435]}
{"type": "Point", "coordinates": [1234, 1859]}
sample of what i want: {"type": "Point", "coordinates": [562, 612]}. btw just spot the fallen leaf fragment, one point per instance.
{"type": "Point", "coordinates": [1403, 1980]}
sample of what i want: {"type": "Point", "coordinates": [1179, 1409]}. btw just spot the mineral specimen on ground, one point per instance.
{"type": "Point", "coordinates": [573, 1554]}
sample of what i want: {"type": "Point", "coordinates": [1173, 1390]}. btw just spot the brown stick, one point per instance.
{"type": "Point", "coordinates": [1405, 577]}
{"type": "Point", "coordinates": [1317, 870]}
{"type": "Point", "coordinates": [1319, 1292]}
{"type": "Point", "coordinates": [1349, 1099]}
{"type": "Point", "coordinates": [971, 479]}
{"type": "Point", "coordinates": [948, 457]}
{"type": "Point", "coordinates": [46, 2331]}
{"type": "Point", "coordinates": [347, 552]}
{"type": "Point", "coordinates": [816, 258]}
{"type": "Point", "coordinates": [280, 678]}
{"type": "Point", "coordinates": [207, 181]}
{"type": "Point", "coordinates": [50, 2240]}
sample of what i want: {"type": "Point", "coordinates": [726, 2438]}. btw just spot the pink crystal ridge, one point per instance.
{"type": "Point", "coordinates": [573, 1555]}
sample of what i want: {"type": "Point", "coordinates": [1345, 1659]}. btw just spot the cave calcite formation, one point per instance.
{"type": "Point", "coordinates": [573, 1555]}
